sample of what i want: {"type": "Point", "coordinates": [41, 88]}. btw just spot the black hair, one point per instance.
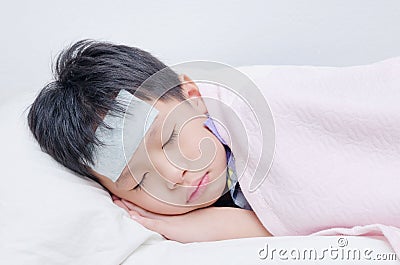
{"type": "Point", "coordinates": [87, 77]}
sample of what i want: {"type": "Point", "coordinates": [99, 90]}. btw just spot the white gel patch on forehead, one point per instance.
{"type": "Point", "coordinates": [121, 142]}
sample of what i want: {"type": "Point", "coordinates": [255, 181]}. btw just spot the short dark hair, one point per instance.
{"type": "Point", "coordinates": [87, 77]}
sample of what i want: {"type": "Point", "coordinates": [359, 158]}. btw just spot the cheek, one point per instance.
{"type": "Point", "coordinates": [220, 159]}
{"type": "Point", "coordinates": [197, 142]}
{"type": "Point", "coordinates": [147, 202]}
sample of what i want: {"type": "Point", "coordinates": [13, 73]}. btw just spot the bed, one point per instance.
{"type": "Point", "coordinates": [49, 215]}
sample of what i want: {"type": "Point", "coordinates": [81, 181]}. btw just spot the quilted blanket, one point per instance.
{"type": "Point", "coordinates": [336, 158]}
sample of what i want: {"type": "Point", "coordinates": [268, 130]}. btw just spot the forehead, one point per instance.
{"type": "Point", "coordinates": [167, 112]}
{"type": "Point", "coordinates": [158, 124]}
{"type": "Point", "coordinates": [155, 126]}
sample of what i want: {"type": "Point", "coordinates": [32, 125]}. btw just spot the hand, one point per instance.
{"type": "Point", "coordinates": [118, 201]}
{"type": "Point", "coordinates": [189, 227]}
{"type": "Point", "coordinates": [206, 224]}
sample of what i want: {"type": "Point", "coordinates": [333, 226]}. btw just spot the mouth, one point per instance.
{"type": "Point", "coordinates": [198, 188]}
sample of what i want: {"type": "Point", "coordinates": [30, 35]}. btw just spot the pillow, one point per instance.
{"type": "Point", "coordinates": [50, 214]}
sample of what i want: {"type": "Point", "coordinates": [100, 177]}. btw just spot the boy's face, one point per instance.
{"type": "Point", "coordinates": [169, 171]}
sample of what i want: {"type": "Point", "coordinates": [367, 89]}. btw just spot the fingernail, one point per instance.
{"type": "Point", "coordinates": [134, 217]}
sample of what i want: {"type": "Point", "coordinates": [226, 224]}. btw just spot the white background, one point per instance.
{"type": "Point", "coordinates": [297, 32]}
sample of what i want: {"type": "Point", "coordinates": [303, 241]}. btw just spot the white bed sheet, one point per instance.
{"type": "Point", "coordinates": [246, 251]}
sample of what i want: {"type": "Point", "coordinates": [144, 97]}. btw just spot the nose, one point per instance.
{"type": "Point", "coordinates": [176, 179]}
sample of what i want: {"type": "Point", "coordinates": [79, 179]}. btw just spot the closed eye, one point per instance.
{"type": "Point", "coordinates": [140, 184]}
{"type": "Point", "coordinates": [171, 138]}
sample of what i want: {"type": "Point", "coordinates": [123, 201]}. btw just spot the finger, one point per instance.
{"type": "Point", "coordinates": [138, 209]}
{"type": "Point", "coordinates": [114, 197]}
{"type": "Point", "coordinates": [134, 214]}
{"type": "Point", "coordinates": [129, 204]}
{"type": "Point", "coordinates": [120, 204]}
{"type": "Point", "coordinates": [155, 225]}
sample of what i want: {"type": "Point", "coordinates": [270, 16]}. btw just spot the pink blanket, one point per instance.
{"type": "Point", "coordinates": [336, 167]}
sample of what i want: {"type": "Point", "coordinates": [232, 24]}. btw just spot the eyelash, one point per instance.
{"type": "Point", "coordinates": [171, 139]}
{"type": "Point", "coordinates": [140, 184]}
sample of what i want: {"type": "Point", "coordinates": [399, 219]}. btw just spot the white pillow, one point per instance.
{"type": "Point", "coordinates": [49, 214]}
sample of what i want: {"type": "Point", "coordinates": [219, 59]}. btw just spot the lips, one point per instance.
{"type": "Point", "coordinates": [197, 188]}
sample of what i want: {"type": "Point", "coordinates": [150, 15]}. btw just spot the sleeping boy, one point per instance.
{"type": "Point", "coordinates": [172, 170]}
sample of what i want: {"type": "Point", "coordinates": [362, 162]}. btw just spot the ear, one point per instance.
{"type": "Point", "coordinates": [191, 91]}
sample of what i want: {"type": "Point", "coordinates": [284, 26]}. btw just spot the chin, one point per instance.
{"type": "Point", "coordinates": [177, 210]}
